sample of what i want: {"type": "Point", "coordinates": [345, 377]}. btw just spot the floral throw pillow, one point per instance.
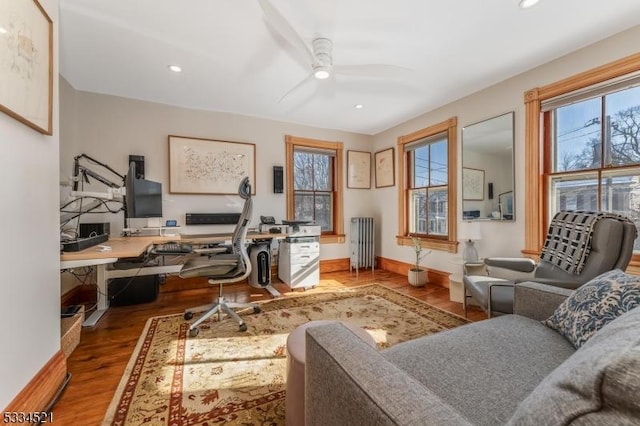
{"type": "Point", "coordinates": [594, 305]}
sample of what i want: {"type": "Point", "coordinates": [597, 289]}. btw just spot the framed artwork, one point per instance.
{"type": "Point", "coordinates": [26, 64]}
{"type": "Point", "coordinates": [472, 184]}
{"type": "Point", "coordinates": [384, 168]}
{"type": "Point", "coordinates": [209, 166]}
{"type": "Point", "coordinates": [358, 169]}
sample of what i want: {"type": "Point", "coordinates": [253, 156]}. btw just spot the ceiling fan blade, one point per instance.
{"type": "Point", "coordinates": [296, 87]}
{"type": "Point", "coordinates": [373, 70]}
{"type": "Point", "coordinates": [278, 22]}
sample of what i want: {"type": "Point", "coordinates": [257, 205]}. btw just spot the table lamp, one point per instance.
{"type": "Point", "coordinates": [470, 234]}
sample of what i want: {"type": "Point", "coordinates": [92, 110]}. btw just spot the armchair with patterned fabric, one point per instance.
{"type": "Point", "coordinates": [579, 246]}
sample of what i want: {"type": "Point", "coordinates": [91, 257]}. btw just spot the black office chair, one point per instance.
{"type": "Point", "coordinates": [580, 245]}
{"type": "Point", "coordinates": [229, 265]}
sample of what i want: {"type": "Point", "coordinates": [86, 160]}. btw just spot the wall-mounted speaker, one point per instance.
{"type": "Point", "coordinates": [139, 160]}
{"type": "Point", "coordinates": [490, 190]}
{"type": "Point", "coordinates": [278, 179]}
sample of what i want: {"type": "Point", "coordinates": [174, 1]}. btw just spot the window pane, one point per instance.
{"type": "Point", "coordinates": [302, 171]}
{"type": "Point", "coordinates": [417, 211]}
{"type": "Point", "coordinates": [621, 195]}
{"type": "Point", "coordinates": [324, 211]}
{"type": "Point", "coordinates": [420, 161]}
{"type": "Point", "coordinates": [573, 193]}
{"type": "Point", "coordinates": [578, 136]}
{"type": "Point", "coordinates": [322, 172]}
{"type": "Point", "coordinates": [438, 211]}
{"type": "Point", "coordinates": [623, 126]}
{"type": "Point", "coordinates": [438, 163]}
{"type": "Point", "coordinates": [303, 206]}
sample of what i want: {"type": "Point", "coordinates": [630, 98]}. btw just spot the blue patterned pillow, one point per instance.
{"type": "Point", "coordinates": [594, 305]}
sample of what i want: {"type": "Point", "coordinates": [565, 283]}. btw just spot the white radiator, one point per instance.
{"type": "Point", "coordinates": [362, 243]}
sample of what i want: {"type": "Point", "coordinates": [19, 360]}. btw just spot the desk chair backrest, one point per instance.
{"type": "Point", "coordinates": [239, 238]}
{"type": "Point", "coordinates": [611, 248]}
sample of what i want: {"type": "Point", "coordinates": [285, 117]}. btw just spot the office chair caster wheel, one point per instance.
{"type": "Point", "coordinates": [194, 332]}
{"type": "Point", "coordinates": [256, 309]}
{"type": "Point", "coordinates": [188, 315]}
{"type": "Point", "coordinates": [243, 327]}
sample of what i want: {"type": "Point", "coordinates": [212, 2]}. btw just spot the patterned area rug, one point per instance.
{"type": "Point", "coordinates": [224, 376]}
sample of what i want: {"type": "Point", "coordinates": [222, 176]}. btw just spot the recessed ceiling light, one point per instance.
{"type": "Point", "coordinates": [525, 4]}
{"type": "Point", "coordinates": [3, 30]}
{"type": "Point", "coordinates": [175, 68]}
{"type": "Point", "coordinates": [358, 106]}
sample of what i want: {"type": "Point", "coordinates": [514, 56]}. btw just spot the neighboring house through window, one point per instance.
{"type": "Point", "coordinates": [314, 184]}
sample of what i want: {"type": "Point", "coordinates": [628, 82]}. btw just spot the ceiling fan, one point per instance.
{"type": "Point", "coordinates": [319, 54]}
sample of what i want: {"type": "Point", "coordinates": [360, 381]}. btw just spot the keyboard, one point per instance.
{"type": "Point", "coordinates": [173, 248]}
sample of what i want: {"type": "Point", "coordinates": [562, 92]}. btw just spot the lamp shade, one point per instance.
{"type": "Point", "coordinates": [471, 231]}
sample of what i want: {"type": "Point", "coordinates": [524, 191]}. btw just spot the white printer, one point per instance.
{"type": "Point", "coordinates": [299, 255]}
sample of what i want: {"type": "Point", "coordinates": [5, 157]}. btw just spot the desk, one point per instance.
{"type": "Point", "coordinates": [124, 247]}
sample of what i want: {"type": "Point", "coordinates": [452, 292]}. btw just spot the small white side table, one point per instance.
{"type": "Point", "coordinates": [456, 287]}
{"type": "Point", "coordinates": [456, 291]}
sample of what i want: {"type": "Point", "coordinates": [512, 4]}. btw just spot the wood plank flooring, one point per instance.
{"type": "Point", "coordinates": [99, 361]}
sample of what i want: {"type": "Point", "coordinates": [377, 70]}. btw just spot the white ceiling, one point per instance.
{"type": "Point", "coordinates": [234, 62]}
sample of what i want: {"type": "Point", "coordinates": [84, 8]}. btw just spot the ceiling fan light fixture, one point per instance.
{"type": "Point", "coordinates": [525, 4]}
{"type": "Point", "coordinates": [321, 72]}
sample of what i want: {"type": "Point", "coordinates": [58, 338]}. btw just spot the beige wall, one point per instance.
{"type": "Point", "coordinates": [109, 128]}
{"type": "Point", "coordinates": [499, 239]}
{"type": "Point", "coordinates": [29, 255]}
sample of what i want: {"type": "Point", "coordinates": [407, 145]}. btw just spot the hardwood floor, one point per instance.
{"type": "Point", "coordinates": [99, 361]}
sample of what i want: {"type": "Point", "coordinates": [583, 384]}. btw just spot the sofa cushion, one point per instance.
{"type": "Point", "coordinates": [594, 305]}
{"type": "Point", "coordinates": [598, 385]}
{"type": "Point", "coordinates": [485, 369]}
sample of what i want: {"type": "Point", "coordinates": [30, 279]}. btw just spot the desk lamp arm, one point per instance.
{"type": "Point", "coordinates": [82, 171]}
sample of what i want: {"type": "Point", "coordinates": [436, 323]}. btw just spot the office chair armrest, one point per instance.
{"type": "Point", "coordinates": [538, 301]}
{"type": "Point", "coordinates": [211, 250]}
{"type": "Point", "coordinates": [512, 263]}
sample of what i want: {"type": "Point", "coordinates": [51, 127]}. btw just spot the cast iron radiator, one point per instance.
{"type": "Point", "coordinates": [362, 244]}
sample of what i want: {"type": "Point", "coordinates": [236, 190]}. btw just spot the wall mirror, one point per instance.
{"type": "Point", "coordinates": [487, 169]}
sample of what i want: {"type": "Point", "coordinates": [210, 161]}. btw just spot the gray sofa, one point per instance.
{"type": "Point", "coordinates": [506, 370]}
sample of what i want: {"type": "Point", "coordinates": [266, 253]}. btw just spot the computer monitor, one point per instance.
{"type": "Point", "coordinates": [143, 197]}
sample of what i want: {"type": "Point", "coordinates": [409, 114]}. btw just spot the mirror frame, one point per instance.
{"type": "Point", "coordinates": [474, 176]}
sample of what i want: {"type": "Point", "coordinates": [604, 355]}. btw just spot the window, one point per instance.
{"type": "Point", "coordinates": [594, 151]}
{"type": "Point", "coordinates": [427, 197]}
{"type": "Point", "coordinates": [314, 184]}
{"type": "Point", "coordinates": [589, 127]}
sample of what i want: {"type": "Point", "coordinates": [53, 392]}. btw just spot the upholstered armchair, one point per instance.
{"type": "Point", "coordinates": [579, 246]}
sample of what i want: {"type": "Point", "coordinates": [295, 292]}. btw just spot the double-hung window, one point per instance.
{"type": "Point", "coordinates": [593, 150]}
{"type": "Point", "coordinates": [428, 186]}
{"type": "Point", "coordinates": [582, 148]}
{"type": "Point", "coordinates": [314, 184]}
{"type": "Point", "coordinates": [427, 200]}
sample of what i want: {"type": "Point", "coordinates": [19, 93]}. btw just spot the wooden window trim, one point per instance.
{"type": "Point", "coordinates": [337, 237]}
{"type": "Point", "coordinates": [449, 243]}
{"type": "Point", "coordinates": [535, 192]}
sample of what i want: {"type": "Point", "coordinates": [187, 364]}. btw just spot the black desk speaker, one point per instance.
{"type": "Point", "coordinates": [278, 180]}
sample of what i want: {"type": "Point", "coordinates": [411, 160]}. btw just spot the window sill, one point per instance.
{"type": "Point", "coordinates": [332, 239]}
{"type": "Point", "coordinates": [433, 244]}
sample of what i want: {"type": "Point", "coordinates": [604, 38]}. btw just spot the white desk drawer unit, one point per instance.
{"type": "Point", "coordinates": [299, 261]}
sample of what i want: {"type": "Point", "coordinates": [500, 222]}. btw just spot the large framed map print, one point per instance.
{"type": "Point", "coordinates": [209, 166]}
